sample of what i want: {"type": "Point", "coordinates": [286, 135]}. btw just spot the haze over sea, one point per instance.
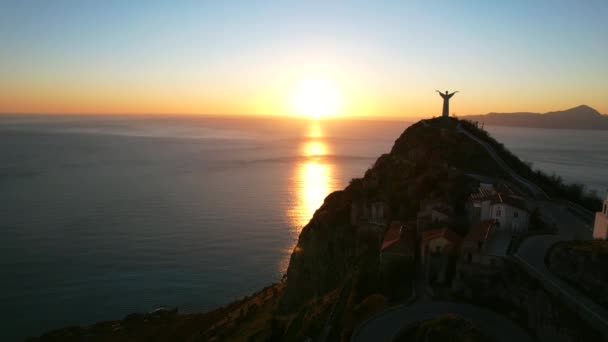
{"type": "Point", "coordinates": [102, 216]}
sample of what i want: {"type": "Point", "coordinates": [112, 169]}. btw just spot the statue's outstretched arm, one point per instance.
{"type": "Point", "coordinates": [454, 93]}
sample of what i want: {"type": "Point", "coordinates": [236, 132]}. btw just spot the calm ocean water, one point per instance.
{"type": "Point", "coordinates": [104, 216]}
{"type": "Point", "coordinates": [578, 156]}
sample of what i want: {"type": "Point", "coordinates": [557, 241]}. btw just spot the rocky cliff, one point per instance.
{"type": "Point", "coordinates": [429, 160]}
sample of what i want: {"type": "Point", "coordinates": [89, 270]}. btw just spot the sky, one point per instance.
{"type": "Point", "coordinates": [384, 58]}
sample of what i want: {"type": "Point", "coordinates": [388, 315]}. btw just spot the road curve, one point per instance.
{"type": "Point", "coordinates": [386, 325]}
{"type": "Point", "coordinates": [531, 254]}
{"type": "Point", "coordinates": [534, 189]}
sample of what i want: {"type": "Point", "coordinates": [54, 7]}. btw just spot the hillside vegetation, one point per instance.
{"type": "Point", "coordinates": [552, 184]}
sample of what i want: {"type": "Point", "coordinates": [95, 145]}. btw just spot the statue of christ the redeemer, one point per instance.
{"type": "Point", "coordinates": [446, 102]}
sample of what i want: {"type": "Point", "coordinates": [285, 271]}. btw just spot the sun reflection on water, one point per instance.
{"type": "Point", "coordinates": [313, 179]}
{"type": "Point", "coordinates": [314, 186]}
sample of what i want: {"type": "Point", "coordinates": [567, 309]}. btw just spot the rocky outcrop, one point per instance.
{"type": "Point", "coordinates": [324, 254]}
{"type": "Point", "coordinates": [429, 159]}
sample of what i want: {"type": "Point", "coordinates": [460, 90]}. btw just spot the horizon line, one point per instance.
{"type": "Point", "coordinates": [330, 117]}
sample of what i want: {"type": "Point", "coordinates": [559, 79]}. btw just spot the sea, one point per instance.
{"type": "Point", "coordinates": [102, 216]}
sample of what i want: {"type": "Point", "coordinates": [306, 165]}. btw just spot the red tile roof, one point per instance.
{"type": "Point", "coordinates": [483, 194]}
{"type": "Point", "coordinates": [513, 201]}
{"type": "Point", "coordinates": [393, 234]}
{"type": "Point", "coordinates": [399, 232]}
{"type": "Point", "coordinates": [497, 197]}
{"type": "Point", "coordinates": [400, 239]}
{"type": "Point", "coordinates": [480, 231]}
{"type": "Point", "coordinates": [445, 233]}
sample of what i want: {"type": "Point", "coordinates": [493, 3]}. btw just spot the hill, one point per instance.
{"type": "Point", "coordinates": [581, 117]}
{"type": "Point", "coordinates": [335, 280]}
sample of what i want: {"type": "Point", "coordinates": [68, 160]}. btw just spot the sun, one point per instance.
{"type": "Point", "coordinates": [316, 98]}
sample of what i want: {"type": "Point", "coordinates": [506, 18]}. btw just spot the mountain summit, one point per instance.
{"type": "Point", "coordinates": [582, 111]}
{"type": "Point", "coordinates": [581, 117]}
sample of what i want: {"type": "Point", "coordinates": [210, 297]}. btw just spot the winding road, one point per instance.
{"type": "Point", "coordinates": [531, 254]}
{"type": "Point", "coordinates": [536, 191]}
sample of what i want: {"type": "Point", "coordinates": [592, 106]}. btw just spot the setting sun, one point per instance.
{"type": "Point", "coordinates": [316, 98]}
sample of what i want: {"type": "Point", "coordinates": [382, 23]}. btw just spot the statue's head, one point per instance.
{"type": "Point", "coordinates": [446, 92]}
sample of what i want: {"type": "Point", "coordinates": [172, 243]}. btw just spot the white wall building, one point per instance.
{"type": "Point", "coordinates": [600, 228]}
{"type": "Point", "coordinates": [509, 211]}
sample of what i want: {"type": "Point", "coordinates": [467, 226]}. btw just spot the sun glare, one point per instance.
{"type": "Point", "coordinates": [316, 98]}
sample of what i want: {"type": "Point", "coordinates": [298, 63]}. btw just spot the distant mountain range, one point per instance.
{"type": "Point", "coordinates": [581, 117]}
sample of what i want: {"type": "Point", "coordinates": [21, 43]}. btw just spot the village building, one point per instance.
{"type": "Point", "coordinates": [483, 245]}
{"type": "Point", "coordinates": [432, 214]}
{"type": "Point", "coordinates": [399, 244]}
{"type": "Point", "coordinates": [600, 228]}
{"type": "Point", "coordinates": [482, 255]}
{"type": "Point", "coordinates": [509, 211]}
{"type": "Point", "coordinates": [438, 253]}
{"type": "Point", "coordinates": [377, 212]}
{"type": "Point", "coordinates": [370, 220]}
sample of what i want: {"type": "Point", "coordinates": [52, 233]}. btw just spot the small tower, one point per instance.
{"type": "Point", "coordinates": [600, 228]}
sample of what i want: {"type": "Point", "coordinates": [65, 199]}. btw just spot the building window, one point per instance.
{"type": "Point", "coordinates": [498, 213]}
{"type": "Point", "coordinates": [515, 213]}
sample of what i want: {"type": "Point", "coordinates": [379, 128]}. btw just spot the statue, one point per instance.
{"type": "Point", "coordinates": [446, 102]}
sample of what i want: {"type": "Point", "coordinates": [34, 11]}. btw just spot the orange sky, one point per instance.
{"type": "Point", "coordinates": [384, 60]}
{"type": "Point", "coordinates": [357, 101]}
